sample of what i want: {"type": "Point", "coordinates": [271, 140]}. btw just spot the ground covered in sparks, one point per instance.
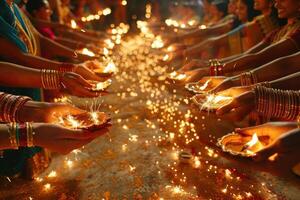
{"type": "Point", "coordinates": [140, 158]}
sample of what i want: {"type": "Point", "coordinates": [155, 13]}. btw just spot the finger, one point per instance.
{"type": "Point", "coordinates": [248, 131]}
{"type": "Point", "coordinates": [227, 108]}
{"type": "Point", "coordinates": [85, 92]}
{"type": "Point", "coordinates": [238, 114]}
{"type": "Point", "coordinates": [82, 81]}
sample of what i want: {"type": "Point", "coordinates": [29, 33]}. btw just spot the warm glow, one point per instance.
{"type": "Point", "coordinates": [73, 24]}
{"type": "Point", "coordinates": [106, 11]}
{"type": "Point", "coordinates": [124, 2]}
{"type": "Point", "coordinates": [177, 76]}
{"type": "Point", "coordinates": [47, 186]}
{"type": "Point", "coordinates": [87, 52]}
{"type": "Point", "coordinates": [52, 174]}
{"type": "Point", "coordinates": [157, 43]}
{"type": "Point", "coordinates": [105, 51]}
{"type": "Point", "coordinates": [204, 85]}
{"type": "Point", "coordinates": [110, 68]}
{"type": "Point", "coordinates": [102, 85]}
{"type": "Point", "coordinates": [202, 27]}
{"type": "Point", "coordinates": [166, 57]}
{"type": "Point", "coordinates": [253, 141]}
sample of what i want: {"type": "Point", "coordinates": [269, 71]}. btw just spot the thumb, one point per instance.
{"type": "Point", "coordinates": [249, 131]}
{"type": "Point", "coordinates": [265, 153]}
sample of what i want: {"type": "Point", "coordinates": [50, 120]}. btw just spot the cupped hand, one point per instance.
{"type": "Point", "coordinates": [283, 137]}
{"type": "Point", "coordinates": [62, 140]}
{"type": "Point", "coordinates": [76, 85]}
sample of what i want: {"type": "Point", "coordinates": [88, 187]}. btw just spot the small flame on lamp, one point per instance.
{"type": "Point", "coordinates": [74, 24]}
{"type": "Point", "coordinates": [87, 52]}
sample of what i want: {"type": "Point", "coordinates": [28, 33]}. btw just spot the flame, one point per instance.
{"type": "Point", "coordinates": [202, 27]}
{"type": "Point", "coordinates": [166, 57]}
{"type": "Point", "coordinates": [176, 76]}
{"type": "Point", "coordinates": [205, 85]}
{"type": "Point", "coordinates": [157, 43]}
{"type": "Point", "coordinates": [253, 141]}
{"type": "Point", "coordinates": [74, 24]}
{"type": "Point", "coordinates": [87, 52]}
{"type": "Point", "coordinates": [95, 117]}
{"type": "Point", "coordinates": [110, 68]}
{"type": "Point", "coordinates": [106, 11]}
{"type": "Point", "coordinates": [105, 51]}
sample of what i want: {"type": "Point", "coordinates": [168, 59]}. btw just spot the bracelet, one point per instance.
{"type": "Point", "coordinates": [216, 68]}
{"type": "Point", "coordinates": [30, 134]}
{"type": "Point", "coordinates": [248, 78]}
{"type": "Point", "coordinates": [66, 67]}
{"type": "Point", "coordinates": [23, 135]}
{"type": "Point", "coordinates": [274, 103]}
{"type": "Point", "coordinates": [10, 106]}
{"type": "Point", "coordinates": [50, 79]}
{"type": "Point", "coordinates": [12, 131]}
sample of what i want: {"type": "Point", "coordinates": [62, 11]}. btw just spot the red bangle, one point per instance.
{"type": "Point", "coordinates": [22, 135]}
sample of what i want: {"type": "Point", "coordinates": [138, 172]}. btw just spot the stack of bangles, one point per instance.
{"type": "Point", "coordinates": [216, 68]}
{"type": "Point", "coordinates": [51, 79]}
{"type": "Point", "coordinates": [10, 106]}
{"type": "Point", "coordinates": [274, 103]}
{"type": "Point", "coordinates": [248, 78]}
{"type": "Point", "coordinates": [20, 135]}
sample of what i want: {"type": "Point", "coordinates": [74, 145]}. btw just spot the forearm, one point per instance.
{"type": "Point", "coordinates": [56, 49]}
{"type": "Point", "coordinates": [75, 36]}
{"type": "Point", "coordinates": [277, 69]}
{"type": "Point", "coordinates": [19, 76]}
{"type": "Point", "coordinates": [272, 52]}
{"type": "Point", "coordinates": [290, 82]}
{"type": "Point", "coordinates": [70, 43]}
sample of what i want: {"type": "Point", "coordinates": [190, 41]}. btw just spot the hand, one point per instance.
{"type": "Point", "coordinates": [226, 83]}
{"type": "Point", "coordinates": [282, 136]}
{"type": "Point", "coordinates": [213, 81]}
{"type": "Point", "coordinates": [34, 111]}
{"type": "Point", "coordinates": [195, 75]}
{"type": "Point", "coordinates": [239, 107]}
{"type": "Point", "coordinates": [86, 73]}
{"type": "Point", "coordinates": [62, 140]}
{"type": "Point", "coordinates": [194, 64]}
{"type": "Point", "coordinates": [75, 85]}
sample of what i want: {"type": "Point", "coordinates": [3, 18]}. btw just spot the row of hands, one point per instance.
{"type": "Point", "coordinates": [281, 134]}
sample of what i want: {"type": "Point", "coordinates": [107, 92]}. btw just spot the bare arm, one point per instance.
{"type": "Point", "coordinates": [290, 82]}
{"type": "Point", "coordinates": [12, 53]}
{"type": "Point", "coordinates": [19, 76]}
{"type": "Point", "coordinates": [268, 54]}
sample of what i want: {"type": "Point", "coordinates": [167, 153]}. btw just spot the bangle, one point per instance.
{"type": "Point", "coordinates": [298, 121]}
{"type": "Point", "coordinates": [216, 68]}
{"type": "Point", "coordinates": [248, 78]}
{"type": "Point", "coordinates": [66, 67]}
{"type": "Point", "coordinates": [12, 135]}
{"type": "Point", "coordinates": [30, 134]}
{"type": "Point", "coordinates": [50, 79]}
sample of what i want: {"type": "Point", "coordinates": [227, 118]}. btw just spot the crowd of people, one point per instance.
{"type": "Point", "coordinates": [247, 49]}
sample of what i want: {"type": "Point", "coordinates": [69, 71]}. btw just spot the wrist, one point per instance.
{"type": "Point", "coordinates": [30, 107]}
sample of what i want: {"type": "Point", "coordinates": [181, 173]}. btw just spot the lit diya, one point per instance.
{"type": "Point", "coordinates": [176, 76]}
{"type": "Point", "coordinates": [100, 86]}
{"type": "Point", "coordinates": [211, 101]}
{"type": "Point", "coordinates": [90, 120]}
{"type": "Point", "coordinates": [197, 87]}
{"type": "Point", "coordinates": [239, 145]}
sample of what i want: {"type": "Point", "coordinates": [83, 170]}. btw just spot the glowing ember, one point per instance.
{"type": "Point", "coordinates": [253, 145]}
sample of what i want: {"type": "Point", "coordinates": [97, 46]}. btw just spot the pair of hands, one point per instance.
{"type": "Point", "coordinates": [76, 83]}
{"type": "Point", "coordinates": [55, 137]}
{"type": "Point", "coordinates": [283, 137]}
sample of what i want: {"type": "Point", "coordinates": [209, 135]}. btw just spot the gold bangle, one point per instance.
{"type": "Point", "coordinates": [12, 128]}
{"type": "Point", "coordinates": [30, 133]}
